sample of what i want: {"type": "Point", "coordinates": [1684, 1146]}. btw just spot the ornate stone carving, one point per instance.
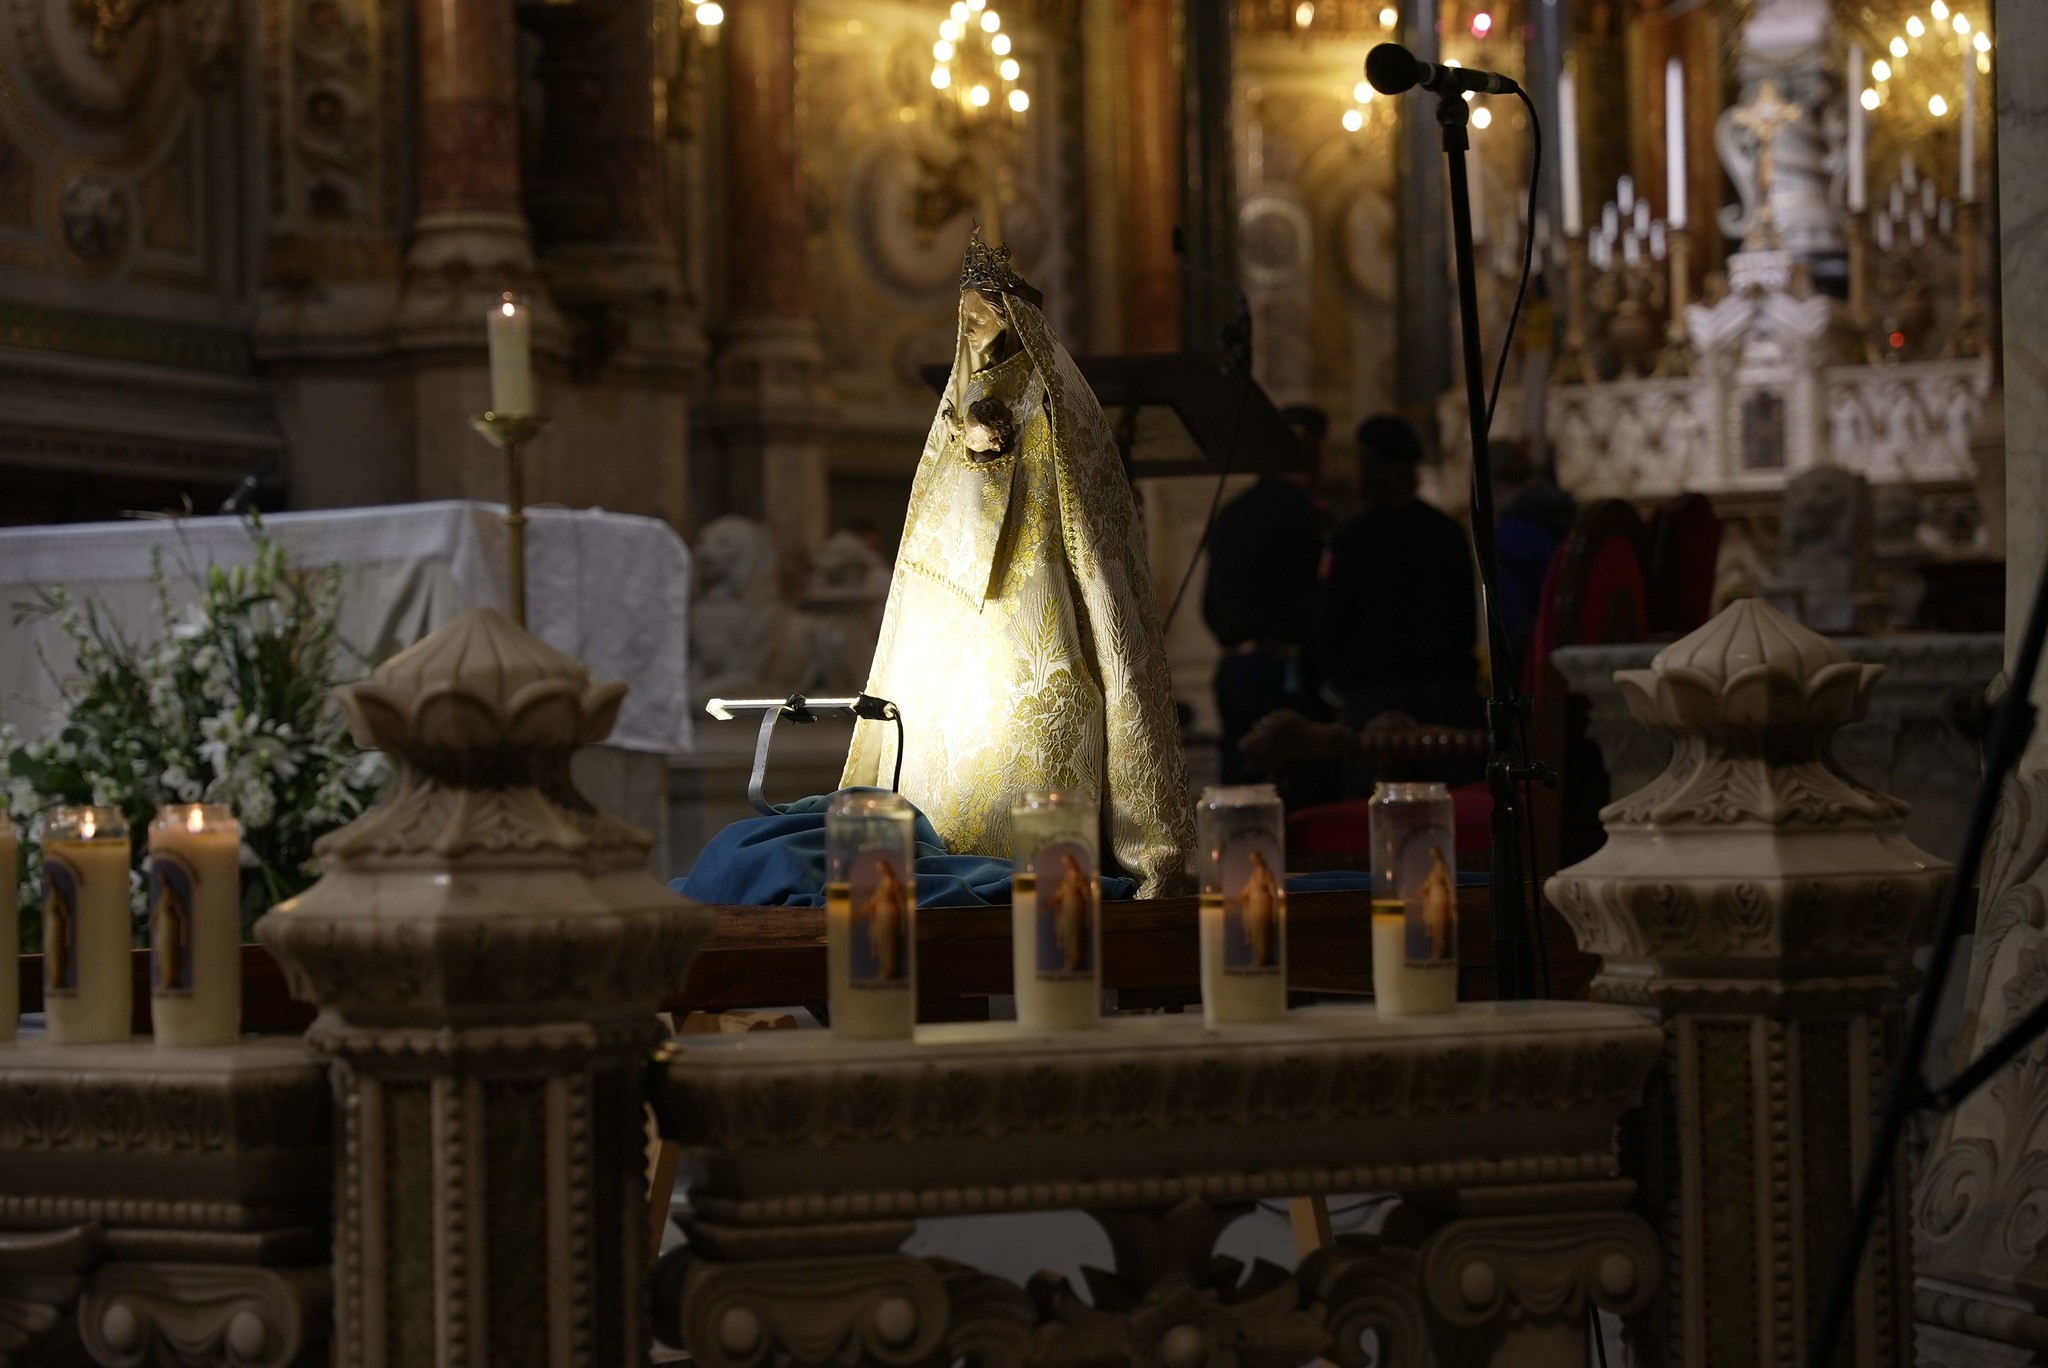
{"type": "Point", "coordinates": [41, 1275]}
{"type": "Point", "coordinates": [810, 1156]}
{"type": "Point", "coordinates": [1766, 904]}
{"type": "Point", "coordinates": [236, 1317]}
{"type": "Point", "coordinates": [486, 951]}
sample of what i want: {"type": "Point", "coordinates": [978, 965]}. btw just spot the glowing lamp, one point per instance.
{"type": "Point", "coordinates": [710, 14]}
{"type": "Point", "coordinates": [942, 51]}
{"type": "Point", "coordinates": [990, 21]}
{"type": "Point", "coordinates": [1019, 101]}
{"type": "Point", "coordinates": [1389, 17]}
{"type": "Point", "coordinates": [978, 96]}
{"type": "Point", "coordinates": [1898, 47]}
{"type": "Point", "coordinates": [1880, 70]}
{"type": "Point", "coordinates": [941, 78]}
{"type": "Point", "coordinates": [1915, 27]}
{"type": "Point", "coordinates": [1010, 69]}
{"type": "Point", "coordinates": [1304, 14]}
{"type": "Point", "coordinates": [1482, 24]}
{"type": "Point", "coordinates": [1000, 44]}
{"type": "Point", "coordinates": [1482, 117]}
{"type": "Point", "coordinates": [1353, 120]}
{"type": "Point", "coordinates": [1869, 98]}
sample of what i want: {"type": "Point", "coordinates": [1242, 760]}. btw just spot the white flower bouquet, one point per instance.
{"type": "Point", "coordinates": [232, 705]}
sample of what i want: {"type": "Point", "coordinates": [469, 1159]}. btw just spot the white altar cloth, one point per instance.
{"type": "Point", "coordinates": [610, 589]}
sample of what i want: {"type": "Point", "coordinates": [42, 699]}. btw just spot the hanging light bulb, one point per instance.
{"type": "Point", "coordinates": [710, 14]}
{"type": "Point", "coordinates": [1915, 27]}
{"type": "Point", "coordinates": [1982, 41]}
{"type": "Point", "coordinates": [1482, 117]}
{"type": "Point", "coordinates": [1937, 106]}
{"type": "Point", "coordinates": [952, 31]}
{"type": "Point", "coordinates": [1880, 70]}
{"type": "Point", "coordinates": [1898, 47]}
{"type": "Point", "coordinates": [1389, 17]}
{"type": "Point", "coordinates": [1869, 98]}
{"type": "Point", "coordinates": [1009, 68]}
{"type": "Point", "coordinates": [978, 96]}
{"type": "Point", "coordinates": [942, 51]}
{"type": "Point", "coordinates": [959, 9]}
{"type": "Point", "coordinates": [1960, 24]}
{"type": "Point", "coordinates": [1362, 91]}
{"type": "Point", "coordinates": [1939, 9]}
{"type": "Point", "coordinates": [1304, 13]}
{"type": "Point", "coordinates": [941, 78]}
{"type": "Point", "coordinates": [1000, 45]}
{"type": "Point", "coordinates": [1019, 101]}
{"type": "Point", "coordinates": [1354, 119]}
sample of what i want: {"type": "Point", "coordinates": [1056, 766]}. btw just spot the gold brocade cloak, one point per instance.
{"type": "Point", "coordinates": [1021, 639]}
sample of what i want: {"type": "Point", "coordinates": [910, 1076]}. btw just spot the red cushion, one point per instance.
{"type": "Point", "coordinates": [1339, 828]}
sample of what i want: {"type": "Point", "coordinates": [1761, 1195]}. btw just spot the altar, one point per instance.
{"type": "Point", "coordinates": [609, 589]}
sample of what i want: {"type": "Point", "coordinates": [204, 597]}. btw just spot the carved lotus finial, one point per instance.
{"type": "Point", "coordinates": [1750, 666]}
{"type": "Point", "coordinates": [479, 682]}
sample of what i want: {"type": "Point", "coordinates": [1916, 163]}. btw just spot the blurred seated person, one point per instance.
{"type": "Point", "coordinates": [1263, 600]}
{"type": "Point", "coordinates": [1532, 517]}
{"type": "Point", "coordinates": [1402, 618]}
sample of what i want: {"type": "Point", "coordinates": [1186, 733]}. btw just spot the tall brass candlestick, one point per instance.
{"type": "Point", "coordinates": [1676, 358]}
{"type": "Point", "coordinates": [510, 432]}
{"type": "Point", "coordinates": [1967, 338]}
{"type": "Point", "coordinates": [1575, 366]}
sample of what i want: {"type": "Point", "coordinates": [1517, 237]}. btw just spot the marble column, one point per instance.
{"type": "Point", "coordinates": [767, 402]}
{"type": "Point", "coordinates": [1425, 299]}
{"type": "Point", "coordinates": [598, 205]}
{"type": "Point", "coordinates": [1982, 1287]}
{"type": "Point", "coordinates": [470, 241]}
{"type": "Point", "coordinates": [1154, 192]}
{"type": "Point", "coordinates": [485, 949]}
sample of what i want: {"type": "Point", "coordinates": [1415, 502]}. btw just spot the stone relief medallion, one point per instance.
{"type": "Point", "coordinates": [54, 41]}
{"type": "Point", "coordinates": [1274, 240]}
{"type": "Point", "coordinates": [93, 219]}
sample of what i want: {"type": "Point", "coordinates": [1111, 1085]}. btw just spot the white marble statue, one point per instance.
{"type": "Point", "coordinates": [1776, 142]}
{"type": "Point", "coordinates": [744, 640]}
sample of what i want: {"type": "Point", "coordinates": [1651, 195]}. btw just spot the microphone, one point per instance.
{"type": "Point", "coordinates": [1391, 69]}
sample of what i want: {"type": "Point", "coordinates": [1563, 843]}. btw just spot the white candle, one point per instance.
{"type": "Point", "coordinates": [1415, 900]}
{"type": "Point", "coordinates": [1625, 195]}
{"type": "Point", "coordinates": [10, 931]}
{"type": "Point", "coordinates": [1674, 143]}
{"type": "Point", "coordinates": [871, 916]}
{"type": "Point", "coordinates": [1883, 232]}
{"type": "Point", "coordinates": [1909, 174]}
{"type": "Point", "coordinates": [1966, 168]}
{"type": "Point", "coordinates": [86, 939]}
{"type": "Point", "coordinates": [1056, 911]}
{"type": "Point", "coordinates": [1632, 250]}
{"type": "Point", "coordinates": [1859, 133]}
{"type": "Point", "coordinates": [511, 339]}
{"type": "Point", "coordinates": [1568, 154]}
{"type": "Point", "coordinates": [195, 925]}
{"type": "Point", "coordinates": [1243, 905]}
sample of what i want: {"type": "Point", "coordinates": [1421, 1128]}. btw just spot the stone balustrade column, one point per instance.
{"type": "Point", "coordinates": [1153, 205]}
{"type": "Point", "coordinates": [1765, 905]}
{"type": "Point", "coordinates": [766, 402]}
{"type": "Point", "coordinates": [486, 951]}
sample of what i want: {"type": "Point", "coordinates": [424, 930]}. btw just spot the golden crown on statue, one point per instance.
{"type": "Point", "coordinates": [988, 268]}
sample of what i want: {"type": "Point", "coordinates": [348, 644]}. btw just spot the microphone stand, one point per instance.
{"type": "Point", "coordinates": [1514, 970]}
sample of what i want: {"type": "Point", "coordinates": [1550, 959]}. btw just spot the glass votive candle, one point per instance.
{"type": "Point", "coordinates": [1414, 899]}
{"type": "Point", "coordinates": [10, 930]}
{"type": "Point", "coordinates": [1242, 833]}
{"type": "Point", "coordinates": [871, 915]}
{"type": "Point", "coordinates": [86, 935]}
{"type": "Point", "coordinates": [1056, 909]}
{"type": "Point", "coordinates": [195, 925]}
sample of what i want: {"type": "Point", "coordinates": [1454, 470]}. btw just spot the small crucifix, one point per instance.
{"type": "Point", "coordinates": [1765, 117]}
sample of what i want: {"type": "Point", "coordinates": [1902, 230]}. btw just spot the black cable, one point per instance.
{"type": "Point", "coordinates": [1599, 1339]}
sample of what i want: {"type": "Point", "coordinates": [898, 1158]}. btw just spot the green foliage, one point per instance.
{"type": "Point", "coordinates": [232, 704]}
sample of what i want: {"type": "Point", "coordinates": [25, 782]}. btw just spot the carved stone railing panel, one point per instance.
{"type": "Point", "coordinates": [1907, 423]}
{"type": "Point", "coordinates": [1766, 905]}
{"type": "Point", "coordinates": [810, 1158]}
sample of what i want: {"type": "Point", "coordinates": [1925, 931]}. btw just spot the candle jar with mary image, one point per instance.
{"type": "Point", "coordinates": [871, 915]}
{"type": "Point", "coordinates": [1241, 831]}
{"type": "Point", "coordinates": [1056, 909]}
{"type": "Point", "coordinates": [195, 921]}
{"type": "Point", "coordinates": [86, 926]}
{"type": "Point", "coordinates": [1414, 899]}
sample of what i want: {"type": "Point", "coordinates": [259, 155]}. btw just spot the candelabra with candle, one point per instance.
{"type": "Point", "coordinates": [1860, 327]}
{"type": "Point", "coordinates": [510, 424]}
{"type": "Point", "coordinates": [1968, 337]}
{"type": "Point", "coordinates": [1575, 362]}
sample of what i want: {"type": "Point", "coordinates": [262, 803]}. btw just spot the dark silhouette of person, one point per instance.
{"type": "Point", "coordinates": [1263, 600]}
{"type": "Point", "coordinates": [1532, 517]}
{"type": "Point", "coordinates": [1403, 605]}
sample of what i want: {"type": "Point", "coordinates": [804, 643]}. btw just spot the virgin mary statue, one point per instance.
{"type": "Point", "coordinates": [1021, 639]}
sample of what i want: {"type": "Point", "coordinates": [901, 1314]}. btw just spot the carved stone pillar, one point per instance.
{"type": "Point", "coordinates": [1982, 1290]}
{"type": "Point", "coordinates": [1154, 194]}
{"type": "Point", "coordinates": [765, 401]}
{"type": "Point", "coordinates": [1765, 905]}
{"type": "Point", "coordinates": [486, 950]}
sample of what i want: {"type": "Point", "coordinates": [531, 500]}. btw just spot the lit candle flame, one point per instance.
{"type": "Point", "coordinates": [90, 823]}
{"type": "Point", "coordinates": [195, 820]}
